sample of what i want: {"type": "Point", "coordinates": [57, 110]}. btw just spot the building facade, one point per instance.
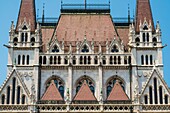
{"type": "Point", "coordinates": [85, 62]}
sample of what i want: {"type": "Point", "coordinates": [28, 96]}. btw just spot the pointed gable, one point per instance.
{"type": "Point", "coordinates": [143, 10]}
{"type": "Point", "coordinates": [85, 93]}
{"type": "Point", "coordinates": [117, 93]}
{"type": "Point", "coordinates": [52, 93]}
{"type": "Point", "coordinates": [27, 12]}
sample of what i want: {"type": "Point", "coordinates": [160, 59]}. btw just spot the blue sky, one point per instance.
{"type": "Point", "coordinates": [9, 11]}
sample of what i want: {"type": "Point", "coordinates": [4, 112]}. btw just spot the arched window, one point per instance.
{"type": "Point", "coordinates": [55, 60]}
{"type": "Point", "coordinates": [142, 60]}
{"type": "Point", "coordinates": [32, 41]}
{"type": "Point", "coordinates": [51, 60]}
{"type": "Point", "coordinates": [151, 60]}
{"type": "Point", "coordinates": [111, 60]}
{"type": "Point", "coordinates": [119, 60]}
{"type": "Point", "coordinates": [115, 49]}
{"type": "Point", "coordinates": [19, 59]}
{"type": "Point", "coordinates": [147, 37]}
{"type": "Point", "coordinates": [111, 83]}
{"type": "Point", "coordinates": [26, 37]}
{"type": "Point", "coordinates": [89, 60]}
{"type": "Point", "coordinates": [146, 59]}
{"type": "Point", "coordinates": [85, 60]}
{"type": "Point", "coordinates": [3, 99]}
{"type": "Point", "coordinates": [109, 89]}
{"type": "Point", "coordinates": [18, 94]}
{"type": "Point", "coordinates": [96, 60]}
{"type": "Point", "coordinates": [58, 82]}
{"type": "Point", "coordinates": [85, 49]}
{"type": "Point", "coordinates": [40, 60]}
{"type": "Point", "coordinates": [89, 82]}
{"type": "Point", "coordinates": [8, 95]}
{"type": "Point", "coordinates": [166, 99]}
{"type": "Point", "coordinates": [137, 40]}
{"type": "Point", "coordinates": [104, 60]}
{"type": "Point", "coordinates": [55, 49]}
{"type": "Point", "coordinates": [146, 99]}
{"type": "Point", "coordinates": [74, 60]}
{"type": "Point", "coordinates": [28, 58]}
{"type": "Point", "coordinates": [150, 95]}
{"type": "Point", "coordinates": [61, 90]}
{"type": "Point", "coordinates": [23, 60]}
{"type": "Point", "coordinates": [125, 60]}
{"type": "Point", "coordinates": [154, 41]}
{"type": "Point", "coordinates": [22, 37]}
{"type": "Point", "coordinates": [115, 60]}
{"type": "Point", "coordinates": [143, 37]}
{"type": "Point", "coordinates": [23, 99]}
{"type": "Point", "coordinates": [160, 95]}
{"type": "Point", "coordinates": [155, 91]}
{"type": "Point", "coordinates": [13, 90]}
{"type": "Point", "coordinates": [24, 28]}
{"type": "Point", "coordinates": [15, 41]}
{"type": "Point", "coordinates": [44, 60]}
{"type": "Point", "coordinates": [81, 60]}
{"type": "Point", "coordinates": [59, 60]}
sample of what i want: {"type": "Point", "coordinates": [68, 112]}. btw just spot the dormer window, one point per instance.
{"type": "Point", "coordinates": [115, 49]}
{"type": "Point", "coordinates": [55, 49]}
{"type": "Point", "coordinates": [85, 49]}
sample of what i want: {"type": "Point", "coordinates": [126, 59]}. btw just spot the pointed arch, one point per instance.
{"type": "Point", "coordinates": [55, 49]}
{"type": "Point", "coordinates": [115, 49]}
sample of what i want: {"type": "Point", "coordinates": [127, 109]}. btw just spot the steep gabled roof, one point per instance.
{"type": "Point", "coordinates": [99, 27]}
{"type": "Point", "coordinates": [27, 12]}
{"type": "Point", "coordinates": [84, 94]}
{"type": "Point", "coordinates": [117, 93]}
{"type": "Point", "coordinates": [52, 93]}
{"type": "Point", "coordinates": [143, 10]}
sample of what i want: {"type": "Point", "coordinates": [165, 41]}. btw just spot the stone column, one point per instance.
{"type": "Point", "coordinates": [70, 81]}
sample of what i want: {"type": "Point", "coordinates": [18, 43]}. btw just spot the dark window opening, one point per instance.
{"type": "Point", "coordinates": [61, 90]}
{"type": "Point", "coordinates": [15, 41]}
{"type": "Point", "coordinates": [147, 37]}
{"type": "Point", "coordinates": [23, 60]}
{"type": "Point", "coordinates": [18, 94]}
{"type": "Point", "coordinates": [96, 60]}
{"type": "Point", "coordinates": [23, 99]}
{"type": "Point", "coordinates": [142, 60]}
{"type": "Point", "coordinates": [137, 40]}
{"type": "Point", "coordinates": [155, 91]}
{"type": "Point", "coordinates": [145, 27]}
{"type": "Point", "coordinates": [44, 60]}
{"type": "Point", "coordinates": [151, 60]}
{"type": "Point", "coordinates": [26, 37]}
{"type": "Point", "coordinates": [143, 37]}
{"type": "Point", "coordinates": [160, 95]}
{"type": "Point", "coordinates": [74, 60]}
{"type": "Point", "coordinates": [8, 95]}
{"type": "Point", "coordinates": [28, 58]}
{"type": "Point", "coordinates": [55, 60]}
{"type": "Point", "coordinates": [85, 60]}
{"type": "Point", "coordinates": [92, 89]}
{"type": "Point", "coordinates": [109, 89]}
{"type": "Point", "coordinates": [111, 60]}
{"type": "Point", "coordinates": [22, 37]}
{"type": "Point", "coordinates": [32, 41]}
{"type": "Point", "coordinates": [24, 28]}
{"type": "Point", "coordinates": [166, 99]}
{"type": "Point", "coordinates": [66, 60]}
{"type": "Point", "coordinates": [55, 49]}
{"type": "Point", "coordinates": [85, 49]}
{"type": "Point", "coordinates": [146, 59]}
{"type": "Point", "coordinates": [115, 60]}
{"type": "Point", "coordinates": [130, 60]}
{"type": "Point", "coordinates": [81, 60]}
{"type": "Point", "coordinates": [13, 90]}
{"type": "Point", "coordinates": [3, 99]}
{"type": "Point", "coordinates": [51, 60]}
{"type": "Point", "coordinates": [146, 99]}
{"type": "Point", "coordinates": [89, 60]}
{"type": "Point", "coordinates": [119, 60]}
{"type": "Point", "coordinates": [150, 95]}
{"type": "Point", "coordinates": [40, 60]}
{"type": "Point", "coordinates": [115, 49]}
{"type": "Point", "coordinates": [154, 41]}
{"type": "Point", "coordinates": [104, 60]}
{"type": "Point", "coordinates": [19, 59]}
{"type": "Point", "coordinates": [125, 60]}
{"type": "Point", "coordinates": [59, 60]}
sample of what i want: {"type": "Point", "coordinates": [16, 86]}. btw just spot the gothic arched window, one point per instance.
{"type": "Point", "coordinates": [89, 60]}
{"type": "Point", "coordinates": [130, 60]}
{"type": "Point", "coordinates": [18, 94]}
{"type": "Point", "coordinates": [166, 99]}
{"type": "Point", "coordinates": [81, 60]}
{"type": "Point", "coordinates": [151, 60]}
{"type": "Point", "coordinates": [19, 59]}
{"type": "Point", "coordinates": [147, 37]}
{"type": "Point", "coordinates": [137, 40]}
{"type": "Point", "coordinates": [160, 95]}
{"type": "Point", "coordinates": [146, 59]}
{"type": "Point", "coordinates": [8, 95]}
{"type": "Point", "coordinates": [142, 60]}
{"type": "Point", "coordinates": [59, 60]}
{"type": "Point", "coordinates": [111, 60]}
{"type": "Point", "coordinates": [55, 49]}
{"type": "Point", "coordinates": [119, 60]}
{"type": "Point", "coordinates": [32, 41]}
{"type": "Point", "coordinates": [95, 60]}
{"type": "Point", "coordinates": [111, 83]}
{"type": "Point", "coordinates": [23, 60]}
{"type": "Point", "coordinates": [3, 99]}
{"type": "Point", "coordinates": [89, 82]}
{"type": "Point", "coordinates": [26, 37]}
{"type": "Point", "coordinates": [22, 37]}
{"type": "Point", "coordinates": [154, 41]}
{"type": "Point", "coordinates": [155, 91]}
{"type": "Point", "coordinates": [85, 49]}
{"type": "Point", "coordinates": [55, 60]}
{"type": "Point", "coordinates": [13, 90]}
{"type": "Point", "coordinates": [51, 60]}
{"type": "Point", "coordinates": [58, 82]}
{"type": "Point", "coordinates": [146, 99]}
{"type": "Point", "coordinates": [15, 41]}
{"type": "Point", "coordinates": [143, 37]}
{"type": "Point", "coordinates": [150, 95]}
{"type": "Point", "coordinates": [28, 59]}
{"type": "Point", "coordinates": [23, 99]}
{"type": "Point", "coordinates": [44, 60]}
{"type": "Point", "coordinates": [114, 49]}
{"type": "Point", "coordinates": [40, 60]}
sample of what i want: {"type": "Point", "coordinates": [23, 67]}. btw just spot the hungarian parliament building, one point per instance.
{"type": "Point", "coordinates": [85, 61]}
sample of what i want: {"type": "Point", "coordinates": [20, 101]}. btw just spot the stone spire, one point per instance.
{"type": "Point", "coordinates": [143, 10]}
{"type": "Point", "coordinates": [27, 13]}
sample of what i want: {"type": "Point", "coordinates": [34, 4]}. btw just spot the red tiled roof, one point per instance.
{"type": "Point", "coordinates": [95, 26]}
{"type": "Point", "coordinates": [117, 93]}
{"type": "Point", "coordinates": [52, 93]}
{"type": "Point", "coordinates": [143, 11]}
{"type": "Point", "coordinates": [27, 11]}
{"type": "Point", "coordinates": [124, 34]}
{"type": "Point", "coordinates": [47, 33]}
{"type": "Point", "coordinates": [85, 93]}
